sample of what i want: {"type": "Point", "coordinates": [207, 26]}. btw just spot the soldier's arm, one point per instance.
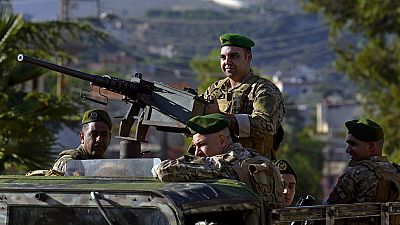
{"type": "Point", "coordinates": [344, 190]}
{"type": "Point", "coordinates": [61, 163]}
{"type": "Point", "coordinates": [59, 167]}
{"type": "Point", "coordinates": [190, 169]}
{"type": "Point", "coordinates": [208, 94]}
{"type": "Point", "coordinates": [268, 112]}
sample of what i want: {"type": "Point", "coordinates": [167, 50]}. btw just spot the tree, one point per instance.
{"type": "Point", "coordinates": [30, 120]}
{"type": "Point", "coordinates": [206, 69]}
{"type": "Point", "coordinates": [304, 154]}
{"type": "Point", "coordinates": [370, 56]}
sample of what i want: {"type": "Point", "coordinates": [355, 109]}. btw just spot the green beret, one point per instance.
{"type": "Point", "coordinates": [208, 124]}
{"type": "Point", "coordinates": [236, 40]}
{"type": "Point", "coordinates": [285, 168]}
{"type": "Point", "coordinates": [365, 130]}
{"type": "Point", "coordinates": [96, 115]}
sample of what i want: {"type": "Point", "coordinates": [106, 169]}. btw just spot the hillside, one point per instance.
{"type": "Point", "coordinates": [164, 35]}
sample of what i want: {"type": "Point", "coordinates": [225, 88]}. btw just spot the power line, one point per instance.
{"type": "Point", "coordinates": [291, 50]}
{"type": "Point", "coordinates": [24, 2]}
{"type": "Point", "coordinates": [277, 52]}
{"type": "Point", "coordinates": [140, 43]}
{"type": "Point", "coordinates": [224, 21]}
{"type": "Point", "coordinates": [179, 41]}
{"type": "Point", "coordinates": [165, 68]}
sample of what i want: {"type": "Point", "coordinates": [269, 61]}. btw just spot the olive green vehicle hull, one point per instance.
{"type": "Point", "coordinates": [139, 200]}
{"type": "Point", "coordinates": [102, 200]}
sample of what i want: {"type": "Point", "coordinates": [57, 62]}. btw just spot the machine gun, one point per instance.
{"type": "Point", "coordinates": [304, 201]}
{"type": "Point", "coordinates": [152, 104]}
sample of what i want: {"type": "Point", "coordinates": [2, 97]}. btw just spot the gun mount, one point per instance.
{"type": "Point", "coordinates": [152, 104]}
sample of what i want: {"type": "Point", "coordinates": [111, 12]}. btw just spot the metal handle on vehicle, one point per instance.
{"type": "Point", "coordinates": [96, 196]}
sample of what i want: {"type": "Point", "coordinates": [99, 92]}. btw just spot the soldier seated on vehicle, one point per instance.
{"type": "Point", "coordinates": [216, 156]}
{"type": "Point", "coordinates": [289, 179]}
{"type": "Point", "coordinates": [370, 177]}
{"type": "Point", "coordinates": [95, 138]}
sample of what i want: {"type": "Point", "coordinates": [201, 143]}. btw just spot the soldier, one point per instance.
{"type": "Point", "coordinates": [289, 179]}
{"type": "Point", "coordinates": [216, 156]}
{"type": "Point", "coordinates": [253, 105]}
{"type": "Point", "coordinates": [369, 177]}
{"type": "Point", "coordinates": [95, 138]}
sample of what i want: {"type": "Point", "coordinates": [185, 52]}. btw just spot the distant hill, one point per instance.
{"type": "Point", "coordinates": [166, 34]}
{"type": "Point", "coordinates": [137, 8]}
{"type": "Point", "coordinates": [39, 10]}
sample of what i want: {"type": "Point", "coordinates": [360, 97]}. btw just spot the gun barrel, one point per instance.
{"type": "Point", "coordinates": [116, 85]}
{"type": "Point", "coordinates": [55, 67]}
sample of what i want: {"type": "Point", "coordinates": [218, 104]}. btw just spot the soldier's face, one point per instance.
{"type": "Point", "coordinates": [289, 188]}
{"type": "Point", "coordinates": [358, 150]}
{"type": "Point", "coordinates": [95, 138]}
{"type": "Point", "coordinates": [207, 145]}
{"type": "Point", "coordinates": [235, 62]}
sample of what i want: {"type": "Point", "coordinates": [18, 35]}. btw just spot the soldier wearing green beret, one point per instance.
{"type": "Point", "coordinates": [253, 105]}
{"type": "Point", "coordinates": [368, 177]}
{"type": "Point", "coordinates": [289, 179]}
{"type": "Point", "coordinates": [95, 137]}
{"type": "Point", "coordinates": [216, 156]}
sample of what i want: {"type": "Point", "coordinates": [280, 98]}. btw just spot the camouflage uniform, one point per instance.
{"type": "Point", "coordinates": [360, 183]}
{"type": "Point", "coordinates": [258, 107]}
{"type": "Point", "coordinates": [238, 163]}
{"type": "Point", "coordinates": [67, 155]}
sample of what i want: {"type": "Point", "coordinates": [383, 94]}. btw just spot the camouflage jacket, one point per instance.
{"type": "Point", "coordinates": [258, 108]}
{"type": "Point", "coordinates": [359, 183]}
{"type": "Point", "coordinates": [238, 163]}
{"type": "Point", "coordinates": [67, 155]}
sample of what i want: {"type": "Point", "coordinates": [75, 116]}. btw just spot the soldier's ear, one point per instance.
{"type": "Point", "coordinates": [374, 148]}
{"type": "Point", "coordinates": [82, 137]}
{"type": "Point", "coordinates": [249, 56]}
{"type": "Point", "coordinates": [222, 140]}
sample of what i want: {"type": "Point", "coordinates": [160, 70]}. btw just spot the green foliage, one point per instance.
{"type": "Point", "coordinates": [30, 121]}
{"type": "Point", "coordinates": [372, 59]}
{"type": "Point", "coordinates": [44, 40]}
{"type": "Point", "coordinates": [304, 153]}
{"type": "Point", "coordinates": [371, 18]}
{"type": "Point", "coordinates": [206, 69]}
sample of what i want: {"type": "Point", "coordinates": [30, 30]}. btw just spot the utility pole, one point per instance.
{"type": "Point", "coordinates": [64, 10]}
{"type": "Point", "coordinates": [98, 3]}
{"type": "Point", "coordinates": [65, 6]}
{"type": "Point", "coordinates": [65, 15]}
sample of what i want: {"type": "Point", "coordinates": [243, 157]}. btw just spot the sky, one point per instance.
{"type": "Point", "coordinates": [38, 10]}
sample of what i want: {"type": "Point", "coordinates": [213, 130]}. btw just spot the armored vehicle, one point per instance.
{"type": "Point", "coordinates": [123, 191]}
{"type": "Point", "coordinates": [97, 200]}
{"type": "Point", "coordinates": [123, 201]}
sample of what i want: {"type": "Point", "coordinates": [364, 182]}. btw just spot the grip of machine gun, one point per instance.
{"type": "Point", "coordinates": [306, 201]}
